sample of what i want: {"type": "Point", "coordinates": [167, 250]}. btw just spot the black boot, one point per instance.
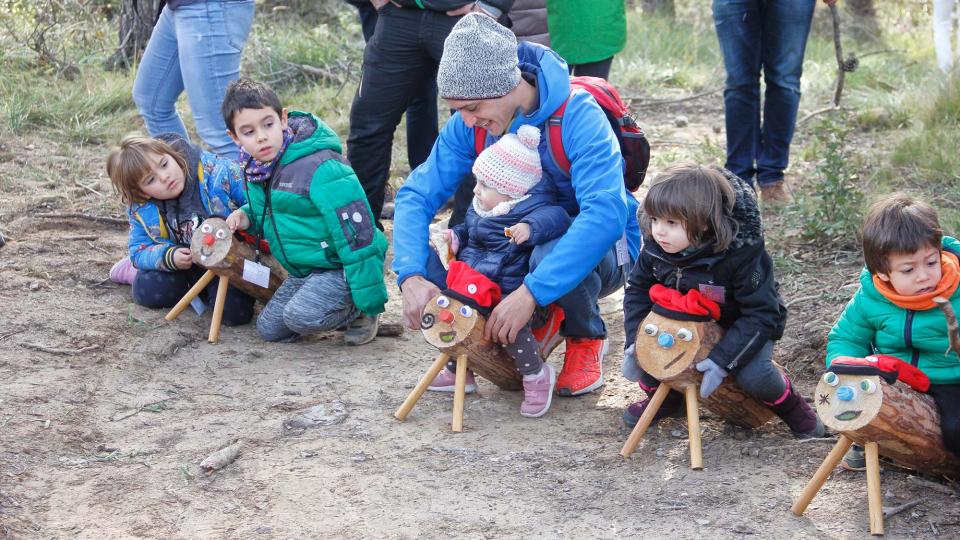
{"type": "Point", "coordinates": [797, 414]}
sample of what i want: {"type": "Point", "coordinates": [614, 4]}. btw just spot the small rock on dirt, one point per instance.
{"type": "Point", "coordinates": [322, 414]}
{"type": "Point", "coordinates": [34, 285]}
{"type": "Point", "coordinates": [681, 121]}
{"type": "Point", "coordinates": [703, 522]}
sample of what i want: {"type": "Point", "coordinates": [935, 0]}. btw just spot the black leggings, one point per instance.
{"type": "Point", "coordinates": [156, 289]}
{"type": "Point", "coordinates": [947, 398]}
{"type": "Point", "coordinates": [593, 69]}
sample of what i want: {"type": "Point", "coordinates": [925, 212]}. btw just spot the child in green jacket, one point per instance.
{"type": "Point", "coordinates": [908, 263]}
{"type": "Point", "coordinates": [305, 200]}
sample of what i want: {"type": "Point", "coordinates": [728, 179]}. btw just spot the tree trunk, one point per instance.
{"type": "Point", "coordinates": [659, 7]}
{"type": "Point", "coordinates": [136, 21]}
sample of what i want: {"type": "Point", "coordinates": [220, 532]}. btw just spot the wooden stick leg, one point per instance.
{"type": "Point", "coordinates": [874, 498]}
{"type": "Point", "coordinates": [459, 393]}
{"type": "Point", "coordinates": [421, 387]}
{"type": "Point", "coordinates": [820, 477]}
{"type": "Point", "coordinates": [645, 420]}
{"type": "Point", "coordinates": [693, 428]}
{"type": "Point", "coordinates": [218, 309]}
{"type": "Point", "coordinates": [194, 291]}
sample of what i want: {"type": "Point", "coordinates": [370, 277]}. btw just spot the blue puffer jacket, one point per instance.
{"type": "Point", "coordinates": [221, 191]}
{"type": "Point", "coordinates": [593, 195]}
{"type": "Point", "coordinates": [487, 250]}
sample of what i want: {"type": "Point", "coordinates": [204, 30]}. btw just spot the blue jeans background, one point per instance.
{"type": "Point", "coordinates": [754, 35]}
{"type": "Point", "coordinates": [196, 48]}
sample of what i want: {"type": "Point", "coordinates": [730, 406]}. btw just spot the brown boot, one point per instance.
{"type": "Point", "coordinates": [775, 193]}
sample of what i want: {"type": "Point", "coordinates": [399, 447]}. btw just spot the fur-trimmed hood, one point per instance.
{"type": "Point", "coordinates": [746, 211]}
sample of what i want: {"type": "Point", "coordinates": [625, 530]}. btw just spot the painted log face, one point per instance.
{"type": "Point", "coordinates": [904, 423]}
{"type": "Point", "coordinates": [214, 247]}
{"type": "Point", "coordinates": [457, 329]}
{"type": "Point", "coordinates": [669, 350]}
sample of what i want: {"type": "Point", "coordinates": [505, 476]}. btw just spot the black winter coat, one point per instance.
{"type": "Point", "coordinates": [740, 279]}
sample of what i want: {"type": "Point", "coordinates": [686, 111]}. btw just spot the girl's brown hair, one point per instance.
{"type": "Point", "coordinates": [700, 197]}
{"type": "Point", "coordinates": [128, 163]}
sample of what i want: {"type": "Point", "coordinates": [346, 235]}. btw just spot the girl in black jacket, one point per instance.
{"type": "Point", "coordinates": [702, 231]}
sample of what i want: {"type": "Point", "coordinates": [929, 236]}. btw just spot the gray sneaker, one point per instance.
{"type": "Point", "coordinates": [362, 330]}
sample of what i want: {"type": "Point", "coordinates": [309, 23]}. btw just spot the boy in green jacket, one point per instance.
{"type": "Point", "coordinates": [304, 199]}
{"type": "Point", "coordinates": [908, 263]}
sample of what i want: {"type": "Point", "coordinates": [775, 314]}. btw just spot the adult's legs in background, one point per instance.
{"type": "Point", "coordinates": [600, 69]}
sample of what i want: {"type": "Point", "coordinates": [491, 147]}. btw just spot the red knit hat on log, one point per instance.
{"type": "Point", "coordinates": [692, 306]}
{"type": "Point", "coordinates": [888, 367]}
{"type": "Point", "coordinates": [471, 287]}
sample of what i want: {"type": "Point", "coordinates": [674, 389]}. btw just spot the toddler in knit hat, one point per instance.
{"type": "Point", "coordinates": [507, 219]}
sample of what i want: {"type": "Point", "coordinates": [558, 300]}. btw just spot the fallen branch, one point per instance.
{"type": "Point", "coordinates": [843, 66]}
{"type": "Point", "coordinates": [88, 188]}
{"type": "Point", "coordinates": [61, 352]}
{"type": "Point", "coordinates": [221, 458]}
{"type": "Point", "coordinates": [13, 333]}
{"type": "Point", "coordinates": [892, 511]}
{"type": "Point", "coordinates": [672, 101]}
{"type": "Point", "coordinates": [953, 330]}
{"type": "Point", "coordinates": [146, 407]}
{"type": "Point", "coordinates": [801, 299]}
{"type": "Point", "coordinates": [390, 330]}
{"type": "Point", "coordinates": [78, 215]}
{"type": "Point", "coordinates": [90, 237]}
{"type": "Point", "coordinates": [926, 484]}
{"type": "Point", "coordinates": [817, 112]}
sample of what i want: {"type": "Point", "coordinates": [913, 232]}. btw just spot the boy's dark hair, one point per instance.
{"type": "Point", "coordinates": [898, 224]}
{"type": "Point", "coordinates": [700, 197]}
{"type": "Point", "coordinates": [245, 93]}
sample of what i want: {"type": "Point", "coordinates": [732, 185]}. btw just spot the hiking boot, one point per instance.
{"type": "Point", "coordinates": [446, 381]}
{"type": "Point", "coordinates": [854, 459]}
{"type": "Point", "coordinates": [775, 193]}
{"type": "Point", "coordinates": [582, 366]}
{"type": "Point", "coordinates": [123, 272]}
{"type": "Point", "coordinates": [548, 336]}
{"type": "Point", "coordinates": [673, 405]}
{"type": "Point", "coordinates": [797, 414]}
{"type": "Point", "coordinates": [538, 392]}
{"type": "Point", "coordinates": [362, 330]}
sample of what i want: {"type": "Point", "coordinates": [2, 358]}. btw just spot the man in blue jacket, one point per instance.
{"type": "Point", "coordinates": [494, 85]}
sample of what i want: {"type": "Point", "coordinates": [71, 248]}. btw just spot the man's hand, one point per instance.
{"type": "Point", "coordinates": [519, 233]}
{"type": "Point", "coordinates": [238, 220]}
{"type": "Point", "coordinates": [182, 258]}
{"type": "Point", "coordinates": [469, 8]}
{"type": "Point", "coordinates": [416, 291]}
{"type": "Point", "coordinates": [510, 316]}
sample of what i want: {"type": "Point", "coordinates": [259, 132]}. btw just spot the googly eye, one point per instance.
{"type": "Point", "coordinates": [868, 386]}
{"type": "Point", "coordinates": [831, 378]}
{"type": "Point", "coordinates": [650, 329]}
{"type": "Point", "coordinates": [221, 234]}
{"type": "Point", "coordinates": [443, 301]}
{"type": "Point", "coordinates": [872, 359]}
{"type": "Point", "coordinates": [466, 311]}
{"type": "Point", "coordinates": [206, 228]}
{"type": "Point", "coordinates": [427, 320]}
{"type": "Point", "coordinates": [684, 334]}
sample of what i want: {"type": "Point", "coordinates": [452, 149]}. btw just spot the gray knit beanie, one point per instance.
{"type": "Point", "coordinates": [479, 60]}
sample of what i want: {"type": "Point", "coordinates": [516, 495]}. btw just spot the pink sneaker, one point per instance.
{"type": "Point", "coordinates": [446, 380]}
{"type": "Point", "coordinates": [123, 272]}
{"type": "Point", "coordinates": [538, 393]}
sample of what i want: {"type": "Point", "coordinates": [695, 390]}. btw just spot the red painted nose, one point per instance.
{"type": "Point", "coordinates": [208, 239]}
{"type": "Point", "coordinates": [446, 316]}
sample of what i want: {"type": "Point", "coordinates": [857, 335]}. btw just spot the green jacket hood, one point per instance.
{"type": "Point", "coordinates": [310, 135]}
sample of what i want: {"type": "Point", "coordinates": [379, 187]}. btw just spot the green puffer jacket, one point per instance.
{"type": "Point", "coordinates": [583, 32]}
{"type": "Point", "coordinates": [315, 215]}
{"type": "Point", "coordinates": [871, 323]}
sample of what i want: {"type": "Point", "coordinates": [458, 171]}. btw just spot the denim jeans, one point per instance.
{"type": "Point", "coordinates": [316, 303]}
{"type": "Point", "coordinates": [399, 65]}
{"type": "Point", "coordinates": [770, 35]}
{"type": "Point", "coordinates": [197, 48]}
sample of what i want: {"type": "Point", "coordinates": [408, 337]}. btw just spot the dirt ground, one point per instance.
{"type": "Point", "coordinates": [101, 434]}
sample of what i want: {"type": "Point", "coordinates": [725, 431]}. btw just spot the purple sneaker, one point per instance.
{"type": "Point", "coordinates": [538, 392]}
{"type": "Point", "coordinates": [123, 272]}
{"type": "Point", "coordinates": [673, 405]}
{"type": "Point", "coordinates": [447, 380]}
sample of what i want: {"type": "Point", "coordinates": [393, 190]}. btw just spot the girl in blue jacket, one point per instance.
{"type": "Point", "coordinates": [170, 186]}
{"type": "Point", "coordinates": [506, 220]}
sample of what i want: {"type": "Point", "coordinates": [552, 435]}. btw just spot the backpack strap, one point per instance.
{"type": "Point", "coordinates": [555, 138]}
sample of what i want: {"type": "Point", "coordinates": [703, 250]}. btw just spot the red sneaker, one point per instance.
{"type": "Point", "coordinates": [582, 367]}
{"type": "Point", "coordinates": [548, 336]}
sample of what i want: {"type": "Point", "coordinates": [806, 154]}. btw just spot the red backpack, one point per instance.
{"type": "Point", "coordinates": [633, 142]}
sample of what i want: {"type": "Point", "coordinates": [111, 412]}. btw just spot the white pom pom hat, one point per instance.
{"type": "Point", "coordinates": [511, 165]}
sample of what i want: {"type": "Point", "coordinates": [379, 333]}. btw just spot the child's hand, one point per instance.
{"type": "Point", "coordinates": [238, 221]}
{"type": "Point", "coordinates": [519, 233]}
{"type": "Point", "coordinates": [452, 240]}
{"type": "Point", "coordinates": [182, 258]}
{"type": "Point", "coordinates": [713, 375]}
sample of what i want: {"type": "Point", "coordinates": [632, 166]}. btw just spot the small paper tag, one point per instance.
{"type": "Point", "coordinates": [713, 292]}
{"type": "Point", "coordinates": [256, 273]}
{"type": "Point", "coordinates": [198, 305]}
{"type": "Point", "coordinates": [623, 252]}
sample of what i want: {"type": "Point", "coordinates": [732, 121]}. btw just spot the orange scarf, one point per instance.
{"type": "Point", "coordinates": [949, 280]}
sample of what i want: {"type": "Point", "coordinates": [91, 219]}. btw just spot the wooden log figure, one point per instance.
{"type": "Point", "coordinates": [669, 349]}
{"type": "Point", "coordinates": [215, 248]}
{"type": "Point", "coordinates": [863, 401]}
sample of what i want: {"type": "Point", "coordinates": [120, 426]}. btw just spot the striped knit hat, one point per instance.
{"type": "Point", "coordinates": [511, 165]}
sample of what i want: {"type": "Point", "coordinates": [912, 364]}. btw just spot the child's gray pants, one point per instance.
{"type": "Point", "coordinates": [316, 303]}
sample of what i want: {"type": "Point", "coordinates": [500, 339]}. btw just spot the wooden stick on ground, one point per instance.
{"type": "Point", "coordinates": [218, 306]}
{"type": "Point", "coordinates": [221, 458]}
{"type": "Point", "coordinates": [820, 477]}
{"type": "Point", "coordinates": [645, 420]}
{"type": "Point", "coordinates": [61, 352]}
{"type": "Point", "coordinates": [953, 330]}
{"type": "Point", "coordinates": [421, 387]}
{"type": "Point", "coordinates": [693, 428]}
{"type": "Point", "coordinates": [78, 215]}
{"type": "Point", "coordinates": [459, 394]}
{"type": "Point", "coordinates": [874, 496]}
